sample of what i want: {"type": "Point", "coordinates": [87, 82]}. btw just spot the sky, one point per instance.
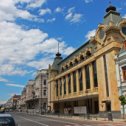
{"type": "Point", "coordinates": [30, 31]}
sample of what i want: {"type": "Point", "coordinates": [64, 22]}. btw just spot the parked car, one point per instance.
{"type": "Point", "coordinates": [6, 120]}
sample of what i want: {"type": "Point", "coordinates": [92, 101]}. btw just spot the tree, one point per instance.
{"type": "Point", "coordinates": [122, 99]}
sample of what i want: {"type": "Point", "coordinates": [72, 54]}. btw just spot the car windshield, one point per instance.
{"type": "Point", "coordinates": [7, 121]}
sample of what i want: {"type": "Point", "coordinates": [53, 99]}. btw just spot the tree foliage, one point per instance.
{"type": "Point", "coordinates": [122, 98]}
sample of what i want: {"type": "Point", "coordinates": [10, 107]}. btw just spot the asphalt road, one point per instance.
{"type": "Point", "coordinates": [23, 119]}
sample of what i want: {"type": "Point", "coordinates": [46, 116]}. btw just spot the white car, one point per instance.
{"type": "Point", "coordinates": [6, 120]}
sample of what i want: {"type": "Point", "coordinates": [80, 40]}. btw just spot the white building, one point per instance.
{"type": "Point", "coordinates": [121, 72]}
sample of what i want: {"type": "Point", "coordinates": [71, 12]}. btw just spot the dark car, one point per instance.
{"type": "Point", "coordinates": [6, 120]}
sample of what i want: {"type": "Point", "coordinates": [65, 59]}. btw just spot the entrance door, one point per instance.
{"type": "Point", "coordinates": [96, 107]}
{"type": "Point", "coordinates": [108, 106]}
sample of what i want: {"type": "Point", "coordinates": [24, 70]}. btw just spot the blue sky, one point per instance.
{"type": "Point", "coordinates": [31, 29]}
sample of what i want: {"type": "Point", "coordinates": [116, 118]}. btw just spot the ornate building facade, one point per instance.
{"type": "Point", "coordinates": [86, 79]}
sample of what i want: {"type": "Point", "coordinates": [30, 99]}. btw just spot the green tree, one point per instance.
{"type": "Point", "coordinates": [122, 99]}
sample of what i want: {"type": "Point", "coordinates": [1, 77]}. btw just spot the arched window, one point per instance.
{"type": "Point", "coordinates": [81, 57]}
{"type": "Point", "coordinates": [88, 54]}
{"type": "Point", "coordinates": [71, 64]}
{"type": "Point", "coordinates": [76, 61]}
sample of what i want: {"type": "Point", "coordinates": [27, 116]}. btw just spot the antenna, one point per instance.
{"type": "Point", "coordinates": [58, 47]}
{"type": "Point", "coordinates": [110, 3]}
{"type": "Point", "coordinates": [58, 54]}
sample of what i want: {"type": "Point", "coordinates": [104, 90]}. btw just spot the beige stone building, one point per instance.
{"type": "Point", "coordinates": [85, 81]}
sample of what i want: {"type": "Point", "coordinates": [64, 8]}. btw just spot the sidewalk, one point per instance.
{"type": "Point", "coordinates": [80, 118]}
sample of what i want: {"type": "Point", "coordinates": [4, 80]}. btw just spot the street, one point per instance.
{"type": "Point", "coordinates": [23, 119]}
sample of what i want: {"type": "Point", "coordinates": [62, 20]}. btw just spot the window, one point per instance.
{"type": "Point", "coordinates": [87, 77]}
{"type": "Point", "coordinates": [124, 73]}
{"type": "Point", "coordinates": [69, 83]}
{"type": "Point", "coordinates": [124, 30]}
{"type": "Point", "coordinates": [44, 93]}
{"type": "Point", "coordinates": [64, 79]}
{"type": "Point", "coordinates": [74, 82]}
{"type": "Point", "coordinates": [95, 74]}
{"type": "Point", "coordinates": [44, 82]}
{"type": "Point", "coordinates": [80, 80]}
{"type": "Point", "coordinates": [60, 86]}
{"type": "Point", "coordinates": [56, 87]}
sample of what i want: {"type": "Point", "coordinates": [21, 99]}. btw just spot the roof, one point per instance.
{"type": "Point", "coordinates": [5, 115]}
{"type": "Point", "coordinates": [77, 50]}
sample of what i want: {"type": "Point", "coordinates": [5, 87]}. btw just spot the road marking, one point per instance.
{"type": "Point", "coordinates": [34, 121]}
{"type": "Point", "coordinates": [54, 120]}
{"type": "Point", "coordinates": [86, 125]}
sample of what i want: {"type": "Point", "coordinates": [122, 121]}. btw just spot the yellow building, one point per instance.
{"type": "Point", "coordinates": [85, 81]}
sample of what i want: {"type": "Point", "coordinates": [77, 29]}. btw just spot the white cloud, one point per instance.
{"type": "Point", "coordinates": [58, 10]}
{"type": "Point", "coordinates": [124, 16]}
{"type": "Point", "coordinates": [41, 64]}
{"type": "Point", "coordinates": [90, 34]}
{"type": "Point", "coordinates": [45, 11]}
{"type": "Point", "coordinates": [88, 1]}
{"type": "Point", "coordinates": [15, 85]}
{"type": "Point", "coordinates": [2, 102]}
{"type": "Point", "coordinates": [72, 16]}
{"type": "Point", "coordinates": [51, 20]}
{"type": "Point", "coordinates": [3, 79]}
{"type": "Point", "coordinates": [9, 12]}
{"type": "Point", "coordinates": [35, 3]}
{"type": "Point", "coordinates": [18, 49]}
{"type": "Point", "coordinates": [18, 46]}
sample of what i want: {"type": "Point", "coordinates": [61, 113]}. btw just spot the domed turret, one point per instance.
{"type": "Point", "coordinates": [111, 15]}
{"type": "Point", "coordinates": [111, 8]}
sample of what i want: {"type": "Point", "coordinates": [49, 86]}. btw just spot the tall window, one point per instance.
{"type": "Point", "coordinates": [80, 80]}
{"type": "Point", "coordinates": [95, 74]}
{"type": "Point", "coordinates": [74, 82]}
{"type": "Point", "coordinates": [64, 79]}
{"type": "Point", "coordinates": [44, 93]}
{"type": "Point", "coordinates": [124, 73]}
{"type": "Point", "coordinates": [56, 87]}
{"type": "Point", "coordinates": [60, 86]}
{"type": "Point", "coordinates": [44, 82]}
{"type": "Point", "coordinates": [69, 83]}
{"type": "Point", "coordinates": [87, 77]}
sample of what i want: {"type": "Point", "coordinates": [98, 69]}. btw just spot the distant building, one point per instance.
{"type": "Point", "coordinates": [12, 102]}
{"type": "Point", "coordinates": [85, 82]}
{"type": "Point", "coordinates": [37, 92]}
{"type": "Point", "coordinates": [21, 101]}
{"type": "Point", "coordinates": [121, 72]}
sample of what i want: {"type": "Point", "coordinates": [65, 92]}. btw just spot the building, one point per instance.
{"type": "Point", "coordinates": [37, 93]}
{"type": "Point", "coordinates": [121, 72]}
{"type": "Point", "coordinates": [30, 95]}
{"type": "Point", "coordinates": [12, 103]}
{"type": "Point", "coordinates": [85, 81]}
{"type": "Point", "coordinates": [21, 102]}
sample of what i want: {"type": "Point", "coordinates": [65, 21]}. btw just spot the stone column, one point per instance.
{"type": "Point", "coordinates": [66, 84]}
{"type": "Point", "coordinates": [83, 78]}
{"type": "Point", "coordinates": [77, 81]}
{"type": "Point", "coordinates": [91, 77]}
{"type": "Point", "coordinates": [71, 75]}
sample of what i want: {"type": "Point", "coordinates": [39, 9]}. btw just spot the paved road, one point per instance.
{"type": "Point", "coordinates": [32, 120]}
